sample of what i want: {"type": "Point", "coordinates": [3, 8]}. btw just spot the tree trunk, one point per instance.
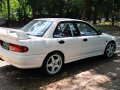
{"type": "Point", "coordinates": [107, 15]}
{"type": "Point", "coordinates": [33, 13]}
{"type": "Point", "coordinates": [95, 16]}
{"type": "Point", "coordinates": [83, 14]}
{"type": "Point", "coordinates": [0, 5]}
{"type": "Point", "coordinates": [8, 8]}
{"type": "Point", "coordinates": [113, 19]}
{"type": "Point", "coordinates": [87, 10]}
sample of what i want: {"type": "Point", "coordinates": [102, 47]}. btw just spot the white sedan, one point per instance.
{"type": "Point", "coordinates": [51, 42]}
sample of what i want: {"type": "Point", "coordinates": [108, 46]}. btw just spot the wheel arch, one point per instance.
{"type": "Point", "coordinates": [112, 41]}
{"type": "Point", "coordinates": [56, 51]}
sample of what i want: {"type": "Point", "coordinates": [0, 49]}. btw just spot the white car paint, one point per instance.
{"type": "Point", "coordinates": [73, 49]}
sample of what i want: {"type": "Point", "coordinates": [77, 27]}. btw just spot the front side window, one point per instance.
{"type": "Point", "coordinates": [37, 27]}
{"type": "Point", "coordinates": [86, 30]}
{"type": "Point", "coordinates": [66, 29]}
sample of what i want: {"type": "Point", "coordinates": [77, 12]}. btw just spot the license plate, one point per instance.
{"type": "Point", "coordinates": [5, 45]}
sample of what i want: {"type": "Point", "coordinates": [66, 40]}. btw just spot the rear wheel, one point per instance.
{"type": "Point", "coordinates": [110, 49]}
{"type": "Point", "coordinates": [53, 63]}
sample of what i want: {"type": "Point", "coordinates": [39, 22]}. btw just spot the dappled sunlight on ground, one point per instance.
{"type": "Point", "coordinates": [88, 80]}
{"type": "Point", "coordinates": [102, 77]}
{"type": "Point", "coordinates": [95, 73]}
{"type": "Point", "coordinates": [109, 23]}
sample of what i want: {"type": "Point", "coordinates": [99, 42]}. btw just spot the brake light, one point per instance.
{"type": "Point", "coordinates": [17, 48]}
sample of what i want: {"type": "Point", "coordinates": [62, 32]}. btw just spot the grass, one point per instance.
{"type": "Point", "coordinates": [108, 28]}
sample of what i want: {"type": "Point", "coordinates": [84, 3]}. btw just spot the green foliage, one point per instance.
{"type": "Point", "coordinates": [13, 9]}
{"type": "Point", "coordinates": [81, 9]}
{"type": "Point", "coordinates": [14, 5]}
{"type": "Point", "coordinates": [3, 13]}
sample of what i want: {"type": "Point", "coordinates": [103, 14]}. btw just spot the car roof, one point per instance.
{"type": "Point", "coordinates": [59, 19]}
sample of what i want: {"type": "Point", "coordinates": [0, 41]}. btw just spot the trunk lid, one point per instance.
{"type": "Point", "coordinates": [12, 35]}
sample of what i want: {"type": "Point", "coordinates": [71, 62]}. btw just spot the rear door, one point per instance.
{"type": "Point", "coordinates": [68, 40]}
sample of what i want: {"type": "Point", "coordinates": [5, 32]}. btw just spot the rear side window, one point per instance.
{"type": "Point", "coordinates": [66, 29]}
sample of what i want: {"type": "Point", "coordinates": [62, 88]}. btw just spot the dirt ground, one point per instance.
{"type": "Point", "coordinates": [97, 73]}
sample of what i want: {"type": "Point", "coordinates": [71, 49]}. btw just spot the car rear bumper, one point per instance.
{"type": "Point", "coordinates": [22, 61]}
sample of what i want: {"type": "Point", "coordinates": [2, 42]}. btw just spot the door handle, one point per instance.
{"type": "Point", "coordinates": [61, 42]}
{"type": "Point", "coordinates": [85, 39]}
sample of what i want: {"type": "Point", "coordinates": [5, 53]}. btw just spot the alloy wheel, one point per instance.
{"type": "Point", "coordinates": [54, 64]}
{"type": "Point", "coordinates": [110, 49]}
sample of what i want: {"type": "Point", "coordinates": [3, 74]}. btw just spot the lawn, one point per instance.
{"type": "Point", "coordinates": [108, 28]}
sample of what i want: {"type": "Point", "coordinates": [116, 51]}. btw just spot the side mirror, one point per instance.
{"type": "Point", "coordinates": [99, 32]}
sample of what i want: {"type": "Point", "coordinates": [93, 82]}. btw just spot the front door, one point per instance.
{"type": "Point", "coordinates": [92, 44]}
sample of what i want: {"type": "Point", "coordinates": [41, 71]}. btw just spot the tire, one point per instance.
{"type": "Point", "coordinates": [53, 63]}
{"type": "Point", "coordinates": [110, 49]}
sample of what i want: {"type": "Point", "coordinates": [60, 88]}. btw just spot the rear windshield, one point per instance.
{"type": "Point", "coordinates": [37, 27]}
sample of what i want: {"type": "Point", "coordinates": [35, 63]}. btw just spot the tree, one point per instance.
{"type": "Point", "coordinates": [8, 11]}
{"type": "Point", "coordinates": [81, 9]}
{"type": "Point", "coordinates": [37, 7]}
{"type": "Point", "coordinates": [96, 8]}
{"type": "Point", "coordinates": [0, 5]}
{"type": "Point", "coordinates": [86, 9]}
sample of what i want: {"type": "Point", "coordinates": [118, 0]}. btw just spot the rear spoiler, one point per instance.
{"type": "Point", "coordinates": [13, 34]}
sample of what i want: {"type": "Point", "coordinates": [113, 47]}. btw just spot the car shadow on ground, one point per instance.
{"type": "Point", "coordinates": [33, 79]}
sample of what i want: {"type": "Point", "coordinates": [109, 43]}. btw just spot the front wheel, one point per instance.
{"type": "Point", "coordinates": [110, 49]}
{"type": "Point", "coordinates": [53, 63]}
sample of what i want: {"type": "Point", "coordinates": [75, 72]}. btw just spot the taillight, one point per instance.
{"type": "Point", "coordinates": [13, 47]}
{"type": "Point", "coordinates": [17, 48]}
